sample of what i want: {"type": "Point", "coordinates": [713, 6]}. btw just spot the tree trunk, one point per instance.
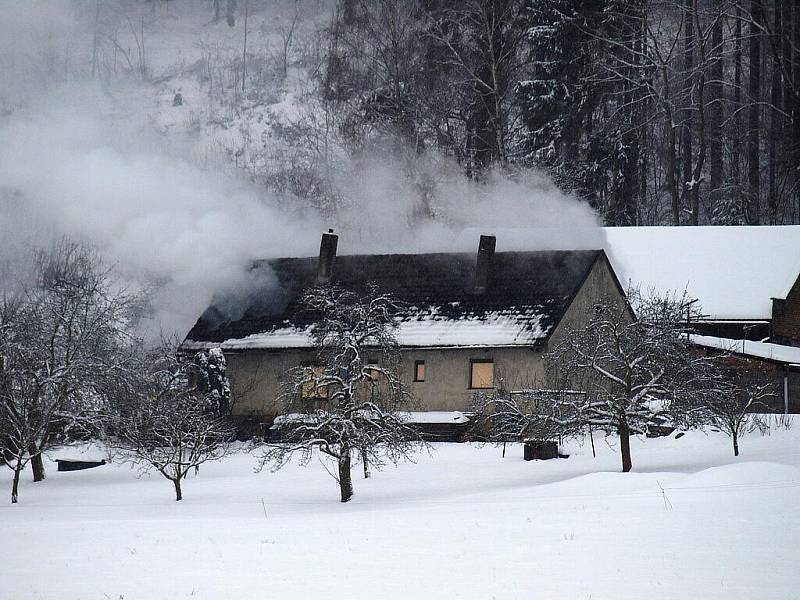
{"type": "Point", "coordinates": [775, 122]}
{"type": "Point", "coordinates": [796, 103]}
{"type": "Point", "coordinates": [178, 493]}
{"type": "Point", "coordinates": [753, 140]}
{"type": "Point", "coordinates": [715, 102]}
{"type": "Point", "coordinates": [486, 122]}
{"type": "Point", "coordinates": [230, 13]}
{"type": "Point", "coordinates": [735, 437]}
{"type": "Point", "coordinates": [688, 126]}
{"type": "Point", "coordinates": [625, 445]}
{"type": "Point", "coordinates": [672, 170]}
{"type": "Point", "coordinates": [365, 463]}
{"type": "Point", "coordinates": [37, 464]}
{"type": "Point", "coordinates": [736, 150]}
{"type": "Point", "coordinates": [244, 46]}
{"type": "Point", "coordinates": [345, 477]}
{"type": "Point", "coordinates": [15, 484]}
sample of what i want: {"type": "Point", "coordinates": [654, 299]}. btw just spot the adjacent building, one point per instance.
{"type": "Point", "coordinates": [744, 286]}
{"type": "Point", "coordinates": [478, 321]}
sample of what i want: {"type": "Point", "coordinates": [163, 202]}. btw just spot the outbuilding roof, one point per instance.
{"type": "Point", "coordinates": [528, 295]}
{"type": "Point", "coordinates": [779, 353]}
{"type": "Point", "coordinates": [733, 272]}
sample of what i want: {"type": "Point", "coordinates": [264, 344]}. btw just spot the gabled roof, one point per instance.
{"type": "Point", "coordinates": [528, 295]}
{"type": "Point", "coordinates": [734, 272]}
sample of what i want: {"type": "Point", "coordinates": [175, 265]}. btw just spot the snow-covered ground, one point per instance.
{"type": "Point", "coordinates": [690, 522]}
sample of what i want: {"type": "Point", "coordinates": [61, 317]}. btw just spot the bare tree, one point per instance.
{"type": "Point", "coordinates": [160, 418]}
{"type": "Point", "coordinates": [351, 401]}
{"type": "Point", "coordinates": [287, 31]}
{"type": "Point", "coordinates": [730, 405]}
{"type": "Point", "coordinates": [62, 335]}
{"type": "Point", "coordinates": [18, 427]}
{"type": "Point", "coordinates": [483, 45]}
{"type": "Point", "coordinates": [753, 213]}
{"type": "Point", "coordinates": [503, 416]}
{"type": "Point", "coordinates": [244, 43]}
{"type": "Point", "coordinates": [621, 374]}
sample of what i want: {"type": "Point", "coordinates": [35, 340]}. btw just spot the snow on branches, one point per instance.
{"type": "Point", "coordinates": [633, 373]}
{"type": "Point", "coordinates": [162, 419]}
{"type": "Point", "coordinates": [620, 373]}
{"type": "Point", "coordinates": [63, 330]}
{"type": "Point", "coordinates": [210, 372]}
{"type": "Point", "coordinates": [351, 400]}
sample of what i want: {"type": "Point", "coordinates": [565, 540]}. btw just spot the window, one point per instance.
{"type": "Point", "coordinates": [419, 370]}
{"type": "Point", "coordinates": [371, 367]}
{"type": "Point", "coordinates": [310, 390]}
{"type": "Point", "coordinates": [481, 373]}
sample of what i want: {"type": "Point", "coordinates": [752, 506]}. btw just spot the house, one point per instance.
{"type": "Point", "coordinates": [745, 282]}
{"type": "Point", "coordinates": [470, 322]}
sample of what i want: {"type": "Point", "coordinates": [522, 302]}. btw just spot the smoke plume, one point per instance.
{"type": "Point", "coordinates": [79, 157]}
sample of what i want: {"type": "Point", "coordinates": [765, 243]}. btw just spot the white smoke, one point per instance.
{"type": "Point", "coordinates": [152, 213]}
{"type": "Point", "coordinates": [80, 158]}
{"type": "Point", "coordinates": [382, 209]}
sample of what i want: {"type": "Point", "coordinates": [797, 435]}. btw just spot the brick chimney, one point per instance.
{"type": "Point", "coordinates": [327, 256]}
{"type": "Point", "coordinates": [484, 265]}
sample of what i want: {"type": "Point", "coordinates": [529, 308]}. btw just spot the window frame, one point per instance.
{"type": "Point", "coordinates": [417, 365]}
{"type": "Point", "coordinates": [479, 361]}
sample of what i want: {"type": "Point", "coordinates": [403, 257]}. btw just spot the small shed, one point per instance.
{"type": "Point", "coordinates": [779, 362]}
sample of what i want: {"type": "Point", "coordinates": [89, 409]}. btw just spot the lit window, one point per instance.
{"type": "Point", "coordinates": [481, 375]}
{"type": "Point", "coordinates": [310, 389]}
{"type": "Point", "coordinates": [419, 370]}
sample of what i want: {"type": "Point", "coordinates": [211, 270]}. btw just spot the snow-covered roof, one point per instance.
{"type": "Point", "coordinates": [527, 297]}
{"type": "Point", "coordinates": [734, 272]}
{"type": "Point", "coordinates": [776, 352]}
{"type": "Point", "coordinates": [429, 331]}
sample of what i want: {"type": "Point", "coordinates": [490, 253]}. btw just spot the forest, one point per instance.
{"type": "Point", "coordinates": [653, 112]}
{"type": "Point", "coordinates": [681, 113]}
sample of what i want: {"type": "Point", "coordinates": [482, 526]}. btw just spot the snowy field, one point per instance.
{"type": "Point", "coordinates": [461, 523]}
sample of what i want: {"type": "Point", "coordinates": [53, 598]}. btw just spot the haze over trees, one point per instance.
{"type": "Point", "coordinates": [63, 333]}
{"type": "Point", "coordinates": [678, 112]}
{"type": "Point", "coordinates": [74, 367]}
